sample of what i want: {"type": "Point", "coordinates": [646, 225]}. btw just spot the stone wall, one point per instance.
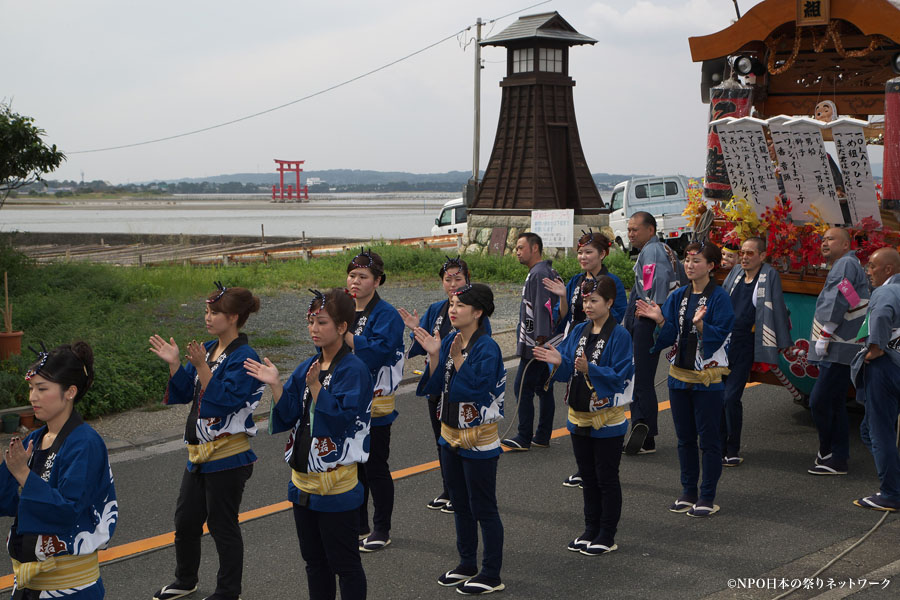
{"type": "Point", "coordinates": [480, 228]}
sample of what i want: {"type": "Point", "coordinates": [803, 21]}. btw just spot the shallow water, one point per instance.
{"type": "Point", "coordinates": [359, 216]}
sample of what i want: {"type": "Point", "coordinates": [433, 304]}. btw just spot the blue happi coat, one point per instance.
{"type": "Point", "coordinates": [573, 294]}
{"type": "Point", "coordinates": [431, 321]}
{"type": "Point", "coordinates": [340, 425]}
{"type": "Point", "coordinates": [226, 405]}
{"type": "Point", "coordinates": [712, 349]}
{"type": "Point", "coordinates": [833, 306]}
{"type": "Point", "coordinates": [884, 330]}
{"type": "Point", "coordinates": [477, 388]}
{"type": "Point", "coordinates": [74, 510]}
{"type": "Point", "coordinates": [612, 374]}
{"type": "Point", "coordinates": [379, 344]}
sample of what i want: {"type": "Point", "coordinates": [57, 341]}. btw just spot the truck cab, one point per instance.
{"type": "Point", "coordinates": [663, 197]}
{"type": "Point", "coordinates": [452, 219]}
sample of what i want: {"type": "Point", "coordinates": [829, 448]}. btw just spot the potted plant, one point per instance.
{"type": "Point", "coordinates": [10, 341]}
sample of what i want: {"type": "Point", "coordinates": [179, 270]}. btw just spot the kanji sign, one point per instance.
{"type": "Point", "coordinates": [813, 12]}
{"type": "Point", "coordinates": [555, 227]}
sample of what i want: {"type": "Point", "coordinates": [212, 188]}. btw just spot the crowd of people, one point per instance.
{"type": "Point", "coordinates": [339, 407]}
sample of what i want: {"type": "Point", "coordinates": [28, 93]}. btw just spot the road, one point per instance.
{"type": "Point", "coordinates": [776, 520]}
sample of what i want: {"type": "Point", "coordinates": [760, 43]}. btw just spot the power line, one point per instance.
{"type": "Point", "coordinates": [304, 98]}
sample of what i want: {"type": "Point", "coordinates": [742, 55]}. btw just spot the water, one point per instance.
{"type": "Point", "coordinates": [360, 216]}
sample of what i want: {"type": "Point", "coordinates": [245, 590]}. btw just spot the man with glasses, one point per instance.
{"type": "Point", "coordinates": [761, 331]}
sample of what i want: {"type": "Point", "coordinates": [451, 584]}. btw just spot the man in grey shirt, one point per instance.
{"type": "Point", "coordinates": [535, 328]}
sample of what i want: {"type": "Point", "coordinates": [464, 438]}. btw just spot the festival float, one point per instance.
{"type": "Point", "coordinates": [780, 81]}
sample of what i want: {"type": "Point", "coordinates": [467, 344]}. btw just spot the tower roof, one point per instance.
{"type": "Point", "coordinates": [547, 26]}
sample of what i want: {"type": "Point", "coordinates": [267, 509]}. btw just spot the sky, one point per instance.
{"type": "Point", "coordinates": [101, 73]}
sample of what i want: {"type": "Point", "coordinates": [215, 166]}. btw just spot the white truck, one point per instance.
{"type": "Point", "coordinates": [452, 219]}
{"type": "Point", "coordinates": [663, 197]}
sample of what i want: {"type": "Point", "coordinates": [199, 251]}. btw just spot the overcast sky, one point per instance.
{"type": "Point", "coordinates": [99, 73]}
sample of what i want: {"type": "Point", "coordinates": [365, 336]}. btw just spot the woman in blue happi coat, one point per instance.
{"type": "Point", "coordinates": [58, 486]}
{"type": "Point", "coordinates": [595, 361]}
{"type": "Point", "coordinates": [466, 369]}
{"type": "Point", "coordinates": [217, 436]}
{"type": "Point", "coordinates": [376, 338]}
{"type": "Point", "coordinates": [593, 248]}
{"type": "Point", "coordinates": [326, 405]}
{"type": "Point", "coordinates": [696, 321]}
{"type": "Point", "coordinates": [454, 274]}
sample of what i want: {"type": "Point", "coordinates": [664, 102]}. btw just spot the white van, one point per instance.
{"type": "Point", "coordinates": [452, 219]}
{"type": "Point", "coordinates": [663, 197]}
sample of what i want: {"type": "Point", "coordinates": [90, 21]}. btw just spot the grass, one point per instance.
{"type": "Point", "coordinates": [116, 309]}
{"type": "Point", "coordinates": [271, 341]}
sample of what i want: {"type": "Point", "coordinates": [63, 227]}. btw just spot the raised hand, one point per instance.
{"type": "Point", "coordinates": [17, 457]}
{"type": "Point", "coordinates": [581, 364]}
{"type": "Point", "coordinates": [456, 348]}
{"type": "Point", "coordinates": [698, 318]}
{"type": "Point", "coordinates": [430, 343]}
{"type": "Point", "coordinates": [312, 379]}
{"type": "Point", "coordinates": [650, 309]}
{"type": "Point", "coordinates": [548, 354]}
{"type": "Point", "coordinates": [265, 372]}
{"type": "Point", "coordinates": [196, 354]}
{"type": "Point", "coordinates": [554, 286]}
{"type": "Point", "coordinates": [410, 320]}
{"type": "Point", "coordinates": [168, 351]}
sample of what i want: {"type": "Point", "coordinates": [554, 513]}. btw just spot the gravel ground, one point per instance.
{"type": "Point", "coordinates": [281, 322]}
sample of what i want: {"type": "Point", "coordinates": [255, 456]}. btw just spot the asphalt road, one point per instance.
{"type": "Point", "coordinates": [776, 520]}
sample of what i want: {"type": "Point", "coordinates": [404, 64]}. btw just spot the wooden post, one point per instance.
{"type": "Point", "coordinates": [140, 260]}
{"type": "Point", "coordinates": [262, 233]}
{"type": "Point", "coordinates": [307, 255]}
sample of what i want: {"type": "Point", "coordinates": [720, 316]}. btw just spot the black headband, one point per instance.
{"type": "Point", "coordinates": [317, 295]}
{"type": "Point", "coordinates": [222, 289]}
{"type": "Point", "coordinates": [42, 356]}
{"type": "Point", "coordinates": [455, 263]}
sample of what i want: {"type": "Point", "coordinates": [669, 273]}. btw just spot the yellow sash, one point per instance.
{"type": "Point", "coordinates": [220, 448]}
{"type": "Point", "coordinates": [382, 406]}
{"type": "Point", "coordinates": [705, 377]}
{"type": "Point", "coordinates": [340, 480]}
{"type": "Point", "coordinates": [57, 572]}
{"type": "Point", "coordinates": [613, 415]}
{"type": "Point", "coordinates": [482, 435]}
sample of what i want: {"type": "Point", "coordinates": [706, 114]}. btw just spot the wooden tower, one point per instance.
{"type": "Point", "coordinates": [537, 162]}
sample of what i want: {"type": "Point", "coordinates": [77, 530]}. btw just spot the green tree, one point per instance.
{"type": "Point", "coordinates": [24, 157]}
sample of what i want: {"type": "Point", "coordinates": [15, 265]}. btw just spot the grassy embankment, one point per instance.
{"type": "Point", "coordinates": [115, 309]}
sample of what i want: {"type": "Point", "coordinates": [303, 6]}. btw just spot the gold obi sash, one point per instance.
{"type": "Point", "coordinates": [705, 377]}
{"type": "Point", "coordinates": [382, 406]}
{"type": "Point", "coordinates": [220, 448]}
{"type": "Point", "coordinates": [613, 415]}
{"type": "Point", "coordinates": [482, 435]}
{"type": "Point", "coordinates": [57, 572]}
{"type": "Point", "coordinates": [330, 483]}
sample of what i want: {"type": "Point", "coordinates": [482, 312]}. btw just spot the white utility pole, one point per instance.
{"type": "Point", "coordinates": [476, 143]}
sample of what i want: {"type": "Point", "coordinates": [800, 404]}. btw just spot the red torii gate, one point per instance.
{"type": "Point", "coordinates": [280, 193]}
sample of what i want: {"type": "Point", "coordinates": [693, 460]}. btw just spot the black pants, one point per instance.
{"type": "Point", "coordinates": [328, 544]}
{"type": "Point", "coordinates": [433, 402]}
{"type": "Point", "coordinates": [598, 461]}
{"type": "Point", "coordinates": [375, 476]}
{"type": "Point", "coordinates": [644, 408]}
{"type": "Point", "coordinates": [214, 499]}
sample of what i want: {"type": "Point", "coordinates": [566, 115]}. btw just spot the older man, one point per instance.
{"type": "Point", "coordinates": [874, 372]}
{"type": "Point", "coordinates": [658, 272]}
{"type": "Point", "coordinates": [840, 312]}
{"type": "Point", "coordinates": [761, 330]}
